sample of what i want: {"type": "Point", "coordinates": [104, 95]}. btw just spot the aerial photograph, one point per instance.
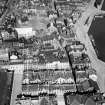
{"type": "Point", "coordinates": [52, 52]}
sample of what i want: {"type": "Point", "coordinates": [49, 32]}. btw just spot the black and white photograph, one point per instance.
{"type": "Point", "coordinates": [52, 52]}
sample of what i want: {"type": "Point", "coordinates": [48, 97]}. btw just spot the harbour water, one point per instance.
{"type": "Point", "coordinates": [97, 29]}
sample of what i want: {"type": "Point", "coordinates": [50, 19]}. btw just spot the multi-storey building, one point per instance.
{"type": "Point", "coordinates": [57, 67]}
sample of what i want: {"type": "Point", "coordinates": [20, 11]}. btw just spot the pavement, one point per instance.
{"type": "Point", "coordinates": [60, 98]}
{"type": "Point", "coordinates": [17, 86]}
{"type": "Point", "coordinates": [82, 35]}
{"type": "Point", "coordinates": [82, 28]}
{"type": "Point", "coordinates": [98, 65]}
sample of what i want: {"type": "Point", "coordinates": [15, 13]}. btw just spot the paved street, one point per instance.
{"type": "Point", "coordinates": [16, 86]}
{"type": "Point", "coordinates": [98, 65]}
{"type": "Point", "coordinates": [60, 98]}
{"type": "Point", "coordinates": [81, 28]}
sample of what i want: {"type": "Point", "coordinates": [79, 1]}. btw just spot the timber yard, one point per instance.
{"type": "Point", "coordinates": [47, 56]}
